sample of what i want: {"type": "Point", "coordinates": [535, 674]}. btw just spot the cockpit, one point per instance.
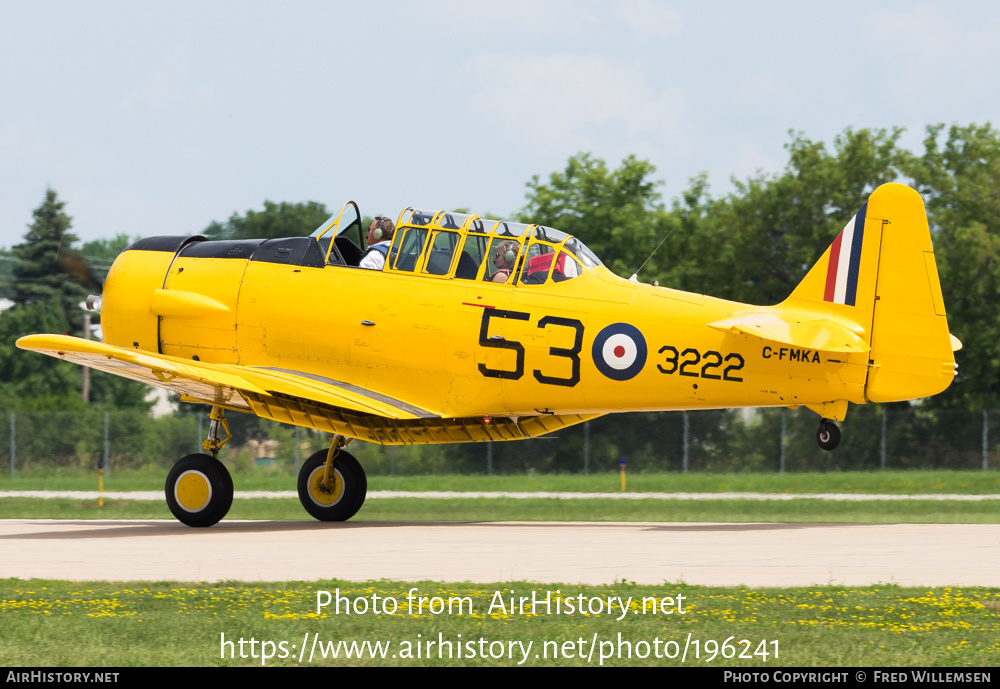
{"type": "Point", "coordinates": [448, 245]}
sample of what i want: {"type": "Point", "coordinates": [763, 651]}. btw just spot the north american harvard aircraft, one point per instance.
{"type": "Point", "coordinates": [442, 346]}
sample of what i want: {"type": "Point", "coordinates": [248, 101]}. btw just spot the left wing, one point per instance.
{"type": "Point", "coordinates": [219, 384]}
{"type": "Point", "coordinates": [296, 397]}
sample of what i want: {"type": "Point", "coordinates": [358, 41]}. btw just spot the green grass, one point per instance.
{"type": "Point", "coordinates": [50, 623]}
{"type": "Point", "coordinates": [896, 482]}
{"type": "Point", "coordinates": [54, 623]}
{"type": "Point", "coordinates": [546, 509]}
{"type": "Point", "coordinates": [501, 509]}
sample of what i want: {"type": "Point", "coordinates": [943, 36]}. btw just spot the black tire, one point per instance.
{"type": "Point", "coordinates": [349, 493]}
{"type": "Point", "coordinates": [194, 477]}
{"type": "Point", "coordinates": [828, 436]}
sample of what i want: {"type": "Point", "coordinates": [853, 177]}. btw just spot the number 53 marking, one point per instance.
{"type": "Point", "coordinates": [497, 342]}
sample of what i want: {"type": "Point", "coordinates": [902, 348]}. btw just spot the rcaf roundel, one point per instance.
{"type": "Point", "coordinates": [619, 351]}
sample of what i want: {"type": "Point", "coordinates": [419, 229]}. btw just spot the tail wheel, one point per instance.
{"type": "Point", "coordinates": [828, 435]}
{"type": "Point", "coordinates": [343, 498]}
{"type": "Point", "coordinates": [199, 490]}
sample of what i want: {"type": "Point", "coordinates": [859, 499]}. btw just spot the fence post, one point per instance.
{"type": "Point", "coordinates": [882, 446]}
{"type": "Point", "coordinates": [12, 444]}
{"type": "Point", "coordinates": [986, 444]}
{"type": "Point", "coordinates": [107, 454]}
{"type": "Point", "coordinates": [781, 468]}
{"type": "Point", "coordinates": [586, 448]}
{"type": "Point", "coordinates": [686, 429]}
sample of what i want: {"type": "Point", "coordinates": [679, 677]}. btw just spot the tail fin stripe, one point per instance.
{"type": "Point", "coordinates": [841, 285]}
{"type": "Point", "coordinates": [855, 267]}
{"type": "Point", "coordinates": [831, 271]}
{"type": "Point", "coordinates": [843, 263]}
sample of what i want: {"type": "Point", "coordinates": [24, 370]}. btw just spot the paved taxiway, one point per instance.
{"type": "Point", "coordinates": [592, 553]}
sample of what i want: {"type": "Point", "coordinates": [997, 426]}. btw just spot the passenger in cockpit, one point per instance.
{"type": "Point", "coordinates": [505, 254]}
{"type": "Point", "coordinates": [379, 241]}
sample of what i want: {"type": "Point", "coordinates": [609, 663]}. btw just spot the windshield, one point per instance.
{"type": "Point", "coordinates": [348, 217]}
{"type": "Point", "coordinates": [327, 224]}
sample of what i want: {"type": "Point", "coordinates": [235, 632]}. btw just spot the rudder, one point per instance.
{"type": "Point", "coordinates": [911, 349]}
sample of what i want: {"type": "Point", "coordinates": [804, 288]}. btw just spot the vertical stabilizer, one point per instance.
{"type": "Point", "coordinates": [880, 275]}
{"type": "Point", "coordinates": [843, 281]}
{"type": "Point", "coordinates": [911, 355]}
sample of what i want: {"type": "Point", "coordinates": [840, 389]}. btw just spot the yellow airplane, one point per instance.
{"type": "Point", "coordinates": [478, 330]}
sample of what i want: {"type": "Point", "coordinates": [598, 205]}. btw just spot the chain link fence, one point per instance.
{"type": "Point", "coordinates": [762, 440]}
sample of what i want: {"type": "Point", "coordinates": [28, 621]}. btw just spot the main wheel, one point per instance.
{"type": "Point", "coordinates": [199, 490]}
{"type": "Point", "coordinates": [340, 501]}
{"type": "Point", "coordinates": [828, 436]}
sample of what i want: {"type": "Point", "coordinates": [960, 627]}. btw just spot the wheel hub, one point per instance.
{"type": "Point", "coordinates": [193, 491]}
{"type": "Point", "coordinates": [324, 494]}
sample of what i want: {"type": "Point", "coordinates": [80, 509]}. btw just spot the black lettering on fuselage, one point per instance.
{"type": "Point", "coordinates": [806, 356]}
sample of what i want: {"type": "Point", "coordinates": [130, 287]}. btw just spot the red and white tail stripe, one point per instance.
{"type": "Point", "coordinates": [845, 262]}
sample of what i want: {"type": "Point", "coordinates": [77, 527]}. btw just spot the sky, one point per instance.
{"type": "Point", "coordinates": [157, 118]}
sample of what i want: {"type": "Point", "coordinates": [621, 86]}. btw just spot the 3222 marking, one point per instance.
{"type": "Point", "coordinates": [713, 360]}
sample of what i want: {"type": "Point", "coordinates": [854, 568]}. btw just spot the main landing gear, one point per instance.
{"type": "Point", "coordinates": [332, 484]}
{"type": "Point", "coordinates": [828, 435]}
{"type": "Point", "coordinates": [199, 488]}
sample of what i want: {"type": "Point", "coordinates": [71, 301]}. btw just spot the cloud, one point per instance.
{"type": "Point", "coordinates": [496, 23]}
{"type": "Point", "coordinates": [650, 20]}
{"type": "Point", "coordinates": [515, 20]}
{"type": "Point", "coordinates": [561, 101]}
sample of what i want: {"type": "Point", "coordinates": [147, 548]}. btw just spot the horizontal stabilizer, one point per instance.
{"type": "Point", "coordinates": [797, 330]}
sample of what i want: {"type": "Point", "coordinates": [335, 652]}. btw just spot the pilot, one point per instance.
{"type": "Point", "coordinates": [503, 260]}
{"type": "Point", "coordinates": [379, 241]}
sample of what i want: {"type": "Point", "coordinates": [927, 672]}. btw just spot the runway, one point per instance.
{"type": "Point", "coordinates": [758, 555]}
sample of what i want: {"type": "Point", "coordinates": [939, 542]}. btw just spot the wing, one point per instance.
{"type": "Point", "coordinates": [219, 384]}
{"type": "Point", "coordinates": [289, 396]}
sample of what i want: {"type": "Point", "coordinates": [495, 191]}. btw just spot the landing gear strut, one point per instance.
{"type": "Point", "coordinates": [199, 488]}
{"type": "Point", "coordinates": [332, 484]}
{"type": "Point", "coordinates": [828, 435]}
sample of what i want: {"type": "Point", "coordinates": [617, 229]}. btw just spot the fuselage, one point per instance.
{"type": "Point", "coordinates": [592, 344]}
